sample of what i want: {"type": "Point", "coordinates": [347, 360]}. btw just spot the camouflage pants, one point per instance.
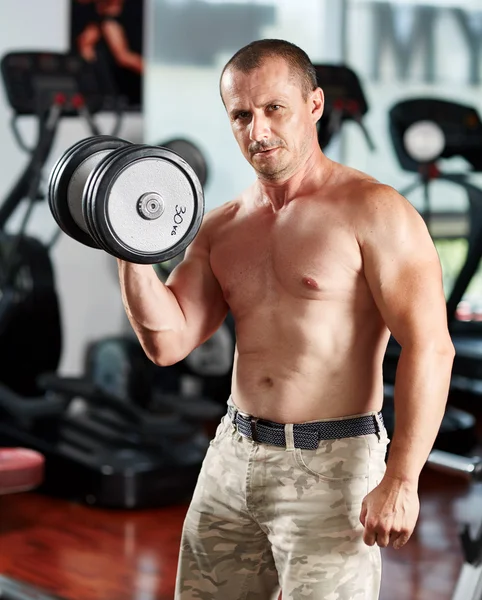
{"type": "Point", "coordinates": [264, 518]}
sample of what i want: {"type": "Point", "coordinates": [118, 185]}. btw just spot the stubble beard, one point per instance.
{"type": "Point", "coordinates": [273, 170]}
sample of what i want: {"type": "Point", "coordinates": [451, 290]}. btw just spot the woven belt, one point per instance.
{"type": "Point", "coordinates": [306, 436]}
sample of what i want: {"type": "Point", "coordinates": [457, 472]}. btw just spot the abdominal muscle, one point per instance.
{"type": "Point", "coordinates": [295, 364]}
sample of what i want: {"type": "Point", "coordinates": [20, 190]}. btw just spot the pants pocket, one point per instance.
{"type": "Point", "coordinates": [335, 460]}
{"type": "Point", "coordinates": [222, 429]}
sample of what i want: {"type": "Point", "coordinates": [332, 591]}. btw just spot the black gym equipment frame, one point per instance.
{"type": "Point", "coordinates": [344, 101]}
{"type": "Point", "coordinates": [28, 303]}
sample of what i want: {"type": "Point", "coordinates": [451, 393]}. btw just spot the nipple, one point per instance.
{"type": "Point", "coordinates": [311, 283]}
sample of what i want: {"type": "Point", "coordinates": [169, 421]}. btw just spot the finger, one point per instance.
{"type": "Point", "coordinates": [401, 540]}
{"type": "Point", "coordinates": [394, 537]}
{"type": "Point", "coordinates": [370, 536]}
{"type": "Point", "coordinates": [383, 538]}
{"type": "Point", "coordinates": [363, 514]}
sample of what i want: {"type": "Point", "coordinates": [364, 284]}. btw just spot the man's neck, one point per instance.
{"type": "Point", "coordinates": [307, 179]}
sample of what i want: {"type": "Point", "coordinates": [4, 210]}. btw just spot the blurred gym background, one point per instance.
{"type": "Point", "coordinates": [96, 514]}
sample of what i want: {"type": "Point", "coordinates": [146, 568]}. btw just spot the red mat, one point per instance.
{"type": "Point", "coordinates": [20, 470]}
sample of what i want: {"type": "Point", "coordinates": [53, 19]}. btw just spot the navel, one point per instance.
{"type": "Point", "coordinates": [267, 382]}
{"type": "Point", "coordinates": [311, 283]}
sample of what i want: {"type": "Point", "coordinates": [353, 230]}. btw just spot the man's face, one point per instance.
{"type": "Point", "coordinates": [272, 123]}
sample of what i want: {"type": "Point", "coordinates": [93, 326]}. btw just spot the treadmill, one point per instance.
{"type": "Point", "coordinates": [423, 131]}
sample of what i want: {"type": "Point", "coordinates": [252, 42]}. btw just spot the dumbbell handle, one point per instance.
{"type": "Point", "coordinates": [453, 464]}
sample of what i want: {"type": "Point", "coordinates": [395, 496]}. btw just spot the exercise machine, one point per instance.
{"type": "Point", "coordinates": [424, 131]}
{"type": "Point", "coordinates": [98, 447]}
{"type": "Point", "coordinates": [345, 102]}
{"type": "Point", "coordinates": [49, 86]}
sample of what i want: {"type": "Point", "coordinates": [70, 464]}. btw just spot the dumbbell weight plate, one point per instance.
{"type": "Point", "coordinates": [88, 207]}
{"type": "Point", "coordinates": [57, 195]}
{"type": "Point", "coordinates": [67, 180]}
{"type": "Point", "coordinates": [97, 152]}
{"type": "Point", "coordinates": [144, 203]}
{"type": "Point", "coordinates": [191, 154]}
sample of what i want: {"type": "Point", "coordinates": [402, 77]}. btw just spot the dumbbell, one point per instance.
{"type": "Point", "coordinates": [143, 204]}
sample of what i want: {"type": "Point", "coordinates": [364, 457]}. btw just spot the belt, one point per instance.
{"type": "Point", "coordinates": [305, 435]}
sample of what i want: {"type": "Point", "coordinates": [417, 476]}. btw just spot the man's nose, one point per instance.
{"type": "Point", "coordinates": [260, 129]}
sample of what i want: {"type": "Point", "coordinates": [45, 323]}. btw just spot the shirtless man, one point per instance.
{"type": "Point", "coordinates": [317, 262]}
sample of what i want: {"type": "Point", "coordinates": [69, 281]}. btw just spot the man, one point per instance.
{"type": "Point", "coordinates": [317, 263]}
{"type": "Point", "coordinates": [107, 26]}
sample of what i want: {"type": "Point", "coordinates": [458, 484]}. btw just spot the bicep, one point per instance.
{"type": "Point", "coordinates": [198, 292]}
{"type": "Point", "coordinates": [404, 274]}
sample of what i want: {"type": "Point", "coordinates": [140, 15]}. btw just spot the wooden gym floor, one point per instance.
{"type": "Point", "coordinates": [81, 553]}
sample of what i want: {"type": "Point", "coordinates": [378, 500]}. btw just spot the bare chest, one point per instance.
{"type": "Point", "coordinates": [262, 260]}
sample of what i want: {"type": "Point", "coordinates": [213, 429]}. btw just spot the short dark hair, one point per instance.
{"type": "Point", "coordinates": [251, 57]}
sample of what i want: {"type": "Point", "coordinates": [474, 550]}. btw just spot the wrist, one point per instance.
{"type": "Point", "coordinates": [403, 479]}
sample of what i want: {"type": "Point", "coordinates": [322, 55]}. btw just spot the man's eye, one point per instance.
{"type": "Point", "coordinates": [242, 115]}
{"type": "Point", "coordinates": [275, 107]}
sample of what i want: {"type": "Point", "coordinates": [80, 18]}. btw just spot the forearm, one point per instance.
{"type": "Point", "coordinates": [421, 390]}
{"type": "Point", "coordinates": [119, 46]}
{"type": "Point", "coordinates": [152, 309]}
{"type": "Point", "coordinates": [132, 61]}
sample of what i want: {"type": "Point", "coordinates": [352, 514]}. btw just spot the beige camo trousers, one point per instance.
{"type": "Point", "coordinates": [264, 518]}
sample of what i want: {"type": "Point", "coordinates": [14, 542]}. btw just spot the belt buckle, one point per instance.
{"type": "Point", "coordinates": [253, 421]}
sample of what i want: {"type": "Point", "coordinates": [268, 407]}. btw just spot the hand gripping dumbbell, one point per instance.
{"type": "Point", "coordinates": [143, 204]}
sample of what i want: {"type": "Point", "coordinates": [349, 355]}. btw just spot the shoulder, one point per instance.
{"type": "Point", "coordinates": [221, 214]}
{"type": "Point", "coordinates": [377, 213]}
{"type": "Point", "coordinates": [364, 191]}
{"type": "Point", "coordinates": [379, 209]}
{"type": "Point", "coordinates": [389, 230]}
{"type": "Point", "coordinates": [378, 200]}
{"type": "Point", "coordinates": [215, 219]}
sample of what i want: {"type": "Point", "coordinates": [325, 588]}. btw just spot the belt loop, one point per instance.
{"type": "Point", "coordinates": [377, 426]}
{"type": "Point", "coordinates": [253, 421]}
{"type": "Point", "coordinates": [234, 414]}
{"type": "Point", "coordinates": [289, 437]}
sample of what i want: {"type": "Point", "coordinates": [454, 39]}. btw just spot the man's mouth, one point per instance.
{"type": "Point", "coordinates": [266, 152]}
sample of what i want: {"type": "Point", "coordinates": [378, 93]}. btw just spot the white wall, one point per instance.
{"type": "Point", "coordinates": [86, 279]}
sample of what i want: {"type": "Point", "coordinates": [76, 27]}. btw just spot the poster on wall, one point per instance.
{"type": "Point", "coordinates": [109, 33]}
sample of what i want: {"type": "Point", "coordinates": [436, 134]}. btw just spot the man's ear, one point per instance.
{"type": "Point", "coordinates": [317, 104]}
